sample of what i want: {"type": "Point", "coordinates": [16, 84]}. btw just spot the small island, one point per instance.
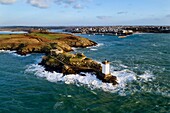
{"type": "Point", "coordinates": [57, 47]}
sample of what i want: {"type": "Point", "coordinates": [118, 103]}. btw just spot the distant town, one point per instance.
{"type": "Point", "coordinates": [119, 30]}
{"type": "Point", "coordinates": [103, 30]}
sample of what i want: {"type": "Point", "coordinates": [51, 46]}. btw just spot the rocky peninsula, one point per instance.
{"type": "Point", "coordinates": [56, 47]}
{"type": "Point", "coordinates": [42, 42]}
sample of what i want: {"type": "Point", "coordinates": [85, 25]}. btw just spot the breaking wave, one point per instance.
{"type": "Point", "coordinates": [13, 53]}
{"type": "Point", "coordinates": [93, 49]}
{"type": "Point", "coordinates": [99, 44]}
{"type": "Point", "coordinates": [124, 78]}
{"type": "Point", "coordinates": [7, 51]}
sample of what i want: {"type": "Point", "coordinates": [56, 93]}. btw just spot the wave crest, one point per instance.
{"type": "Point", "coordinates": [90, 80]}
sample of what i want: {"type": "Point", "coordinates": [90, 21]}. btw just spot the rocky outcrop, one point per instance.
{"type": "Point", "coordinates": [41, 43]}
{"type": "Point", "coordinates": [64, 62]}
{"type": "Point", "coordinates": [68, 63]}
{"type": "Point", "coordinates": [56, 47]}
{"type": "Point", "coordinates": [77, 41]}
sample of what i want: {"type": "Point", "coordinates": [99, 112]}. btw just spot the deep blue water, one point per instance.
{"type": "Point", "coordinates": [141, 62]}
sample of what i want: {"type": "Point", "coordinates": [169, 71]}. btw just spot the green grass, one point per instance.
{"type": "Point", "coordinates": [50, 36]}
{"type": "Point", "coordinates": [41, 35]}
{"type": "Point", "coordinates": [2, 36]}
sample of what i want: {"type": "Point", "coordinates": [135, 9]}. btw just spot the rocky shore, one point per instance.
{"type": "Point", "coordinates": [56, 46]}
{"type": "Point", "coordinates": [42, 42]}
{"type": "Point", "coordinates": [68, 63]}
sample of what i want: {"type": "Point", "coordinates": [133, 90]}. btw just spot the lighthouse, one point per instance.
{"type": "Point", "coordinates": [106, 67]}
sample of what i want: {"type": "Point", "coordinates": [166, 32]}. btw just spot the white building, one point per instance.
{"type": "Point", "coordinates": [106, 67]}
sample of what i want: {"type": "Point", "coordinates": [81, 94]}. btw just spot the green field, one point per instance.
{"type": "Point", "coordinates": [50, 36]}
{"type": "Point", "coordinates": [40, 35]}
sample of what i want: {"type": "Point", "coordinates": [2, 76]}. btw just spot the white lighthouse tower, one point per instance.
{"type": "Point", "coordinates": [106, 67]}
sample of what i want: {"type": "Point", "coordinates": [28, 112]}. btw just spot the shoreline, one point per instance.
{"type": "Point", "coordinates": [39, 42]}
{"type": "Point", "coordinates": [80, 71]}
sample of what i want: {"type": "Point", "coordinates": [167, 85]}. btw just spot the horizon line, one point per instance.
{"type": "Point", "coordinates": [73, 25]}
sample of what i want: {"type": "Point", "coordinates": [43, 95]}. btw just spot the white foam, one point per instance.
{"type": "Point", "coordinates": [99, 44]}
{"type": "Point", "coordinates": [76, 49]}
{"type": "Point", "coordinates": [7, 51]}
{"type": "Point", "coordinates": [147, 76]}
{"type": "Point", "coordinates": [13, 53]}
{"type": "Point", "coordinates": [73, 48]}
{"type": "Point", "coordinates": [122, 65]}
{"type": "Point", "coordinates": [93, 49]}
{"type": "Point", "coordinates": [124, 77]}
{"type": "Point", "coordinates": [89, 80]}
{"type": "Point", "coordinates": [154, 45]}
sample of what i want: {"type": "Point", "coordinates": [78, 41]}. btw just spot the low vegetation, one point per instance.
{"type": "Point", "coordinates": [41, 42]}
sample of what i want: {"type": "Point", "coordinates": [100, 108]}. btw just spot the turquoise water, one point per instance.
{"type": "Point", "coordinates": [141, 63]}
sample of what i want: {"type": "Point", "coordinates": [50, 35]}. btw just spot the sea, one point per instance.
{"type": "Point", "coordinates": [141, 63]}
{"type": "Point", "coordinates": [13, 32]}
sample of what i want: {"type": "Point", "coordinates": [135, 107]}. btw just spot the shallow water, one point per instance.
{"type": "Point", "coordinates": [141, 63]}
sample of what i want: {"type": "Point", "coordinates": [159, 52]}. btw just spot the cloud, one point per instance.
{"type": "Point", "coordinates": [69, 1]}
{"type": "Point", "coordinates": [7, 1]}
{"type": "Point", "coordinates": [64, 1]}
{"type": "Point", "coordinates": [121, 12]}
{"type": "Point", "coordinates": [104, 17]}
{"type": "Point", "coordinates": [167, 16]}
{"type": "Point", "coordinates": [78, 6]}
{"type": "Point", "coordinates": [39, 3]}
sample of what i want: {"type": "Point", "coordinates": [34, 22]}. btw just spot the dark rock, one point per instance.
{"type": "Point", "coordinates": [68, 63]}
{"type": "Point", "coordinates": [68, 70]}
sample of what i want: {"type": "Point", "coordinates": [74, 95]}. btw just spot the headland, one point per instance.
{"type": "Point", "coordinates": [56, 47]}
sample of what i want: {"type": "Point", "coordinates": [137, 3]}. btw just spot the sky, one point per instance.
{"type": "Point", "coordinates": [84, 12]}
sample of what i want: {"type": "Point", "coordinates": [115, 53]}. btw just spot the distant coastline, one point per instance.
{"type": "Point", "coordinates": [119, 30]}
{"type": "Point", "coordinates": [93, 30]}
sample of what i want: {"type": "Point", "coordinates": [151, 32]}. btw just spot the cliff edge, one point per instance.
{"type": "Point", "coordinates": [42, 42]}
